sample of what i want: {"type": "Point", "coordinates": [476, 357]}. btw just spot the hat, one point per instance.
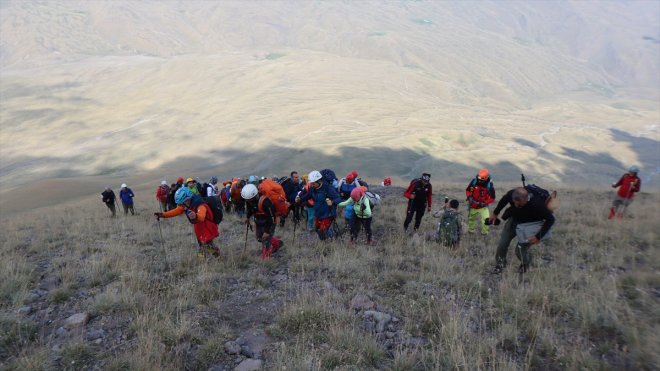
{"type": "Point", "coordinates": [357, 193]}
{"type": "Point", "coordinates": [426, 176]}
{"type": "Point", "coordinates": [189, 180]}
{"type": "Point", "coordinates": [124, 185]}
{"type": "Point", "coordinates": [179, 180]}
{"type": "Point", "coordinates": [164, 182]}
{"type": "Point", "coordinates": [633, 169]}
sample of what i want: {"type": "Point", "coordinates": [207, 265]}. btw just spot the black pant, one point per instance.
{"type": "Point", "coordinates": [356, 226]}
{"type": "Point", "coordinates": [127, 208]}
{"type": "Point", "coordinates": [261, 229]}
{"type": "Point", "coordinates": [111, 206]}
{"type": "Point", "coordinates": [414, 209]}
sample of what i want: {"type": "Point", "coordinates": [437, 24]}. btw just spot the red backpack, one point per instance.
{"type": "Point", "coordinates": [275, 193]}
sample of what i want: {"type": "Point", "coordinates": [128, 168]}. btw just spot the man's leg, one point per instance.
{"type": "Point", "coordinates": [410, 211]}
{"type": "Point", "coordinates": [419, 213]}
{"type": "Point", "coordinates": [310, 219]}
{"type": "Point", "coordinates": [483, 216]}
{"type": "Point", "coordinates": [125, 208]}
{"type": "Point", "coordinates": [130, 207]}
{"type": "Point", "coordinates": [471, 216]}
{"type": "Point", "coordinates": [354, 224]}
{"type": "Point", "coordinates": [508, 234]}
{"type": "Point", "coordinates": [367, 229]}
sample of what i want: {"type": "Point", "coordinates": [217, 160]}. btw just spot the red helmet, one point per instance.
{"type": "Point", "coordinates": [483, 174]}
{"type": "Point", "coordinates": [179, 180]}
{"type": "Point", "coordinates": [350, 177]}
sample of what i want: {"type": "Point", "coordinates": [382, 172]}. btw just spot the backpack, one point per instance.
{"type": "Point", "coordinates": [374, 199]}
{"type": "Point", "coordinates": [549, 198]}
{"type": "Point", "coordinates": [283, 180]}
{"type": "Point", "coordinates": [448, 233]}
{"type": "Point", "coordinates": [363, 183]}
{"type": "Point", "coordinates": [216, 208]}
{"type": "Point", "coordinates": [275, 193]}
{"type": "Point", "coordinates": [204, 191]}
{"type": "Point", "coordinates": [329, 176]}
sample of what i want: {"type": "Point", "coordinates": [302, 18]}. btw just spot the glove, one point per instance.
{"type": "Point", "coordinates": [297, 199]}
{"type": "Point", "coordinates": [328, 202]}
{"type": "Point", "coordinates": [191, 215]}
{"type": "Point", "coordinates": [158, 215]}
{"type": "Point", "coordinates": [613, 185]}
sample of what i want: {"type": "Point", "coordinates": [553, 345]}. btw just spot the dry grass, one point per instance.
{"type": "Point", "coordinates": [590, 302]}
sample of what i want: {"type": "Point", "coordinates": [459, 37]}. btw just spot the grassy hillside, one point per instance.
{"type": "Point", "coordinates": [590, 301]}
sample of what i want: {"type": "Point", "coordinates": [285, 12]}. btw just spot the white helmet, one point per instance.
{"type": "Point", "coordinates": [163, 182]}
{"type": "Point", "coordinates": [249, 191]}
{"type": "Point", "coordinates": [314, 176]}
{"type": "Point", "coordinates": [123, 185]}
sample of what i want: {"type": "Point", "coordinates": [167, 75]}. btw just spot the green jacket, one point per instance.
{"type": "Point", "coordinates": [362, 208]}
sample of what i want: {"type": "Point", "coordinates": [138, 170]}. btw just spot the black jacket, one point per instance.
{"type": "Point", "coordinates": [534, 210]}
{"type": "Point", "coordinates": [108, 197]}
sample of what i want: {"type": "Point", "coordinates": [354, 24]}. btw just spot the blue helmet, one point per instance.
{"type": "Point", "coordinates": [253, 179]}
{"type": "Point", "coordinates": [182, 195]}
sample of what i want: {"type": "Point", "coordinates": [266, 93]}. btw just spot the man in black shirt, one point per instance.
{"type": "Point", "coordinates": [109, 200]}
{"type": "Point", "coordinates": [524, 208]}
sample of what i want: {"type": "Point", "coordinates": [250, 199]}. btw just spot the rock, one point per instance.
{"type": "Point", "coordinates": [217, 367]}
{"type": "Point", "coordinates": [391, 327]}
{"type": "Point", "coordinates": [61, 332]}
{"type": "Point", "coordinates": [25, 310]}
{"type": "Point", "coordinates": [362, 302]}
{"type": "Point", "coordinates": [395, 320]}
{"type": "Point", "coordinates": [78, 319]}
{"type": "Point", "coordinates": [57, 348]}
{"type": "Point", "coordinates": [382, 319]}
{"type": "Point", "coordinates": [390, 335]}
{"type": "Point", "coordinates": [241, 341]}
{"type": "Point", "coordinates": [369, 326]}
{"type": "Point", "coordinates": [246, 351]}
{"type": "Point", "coordinates": [249, 365]}
{"type": "Point", "coordinates": [32, 297]}
{"type": "Point", "coordinates": [231, 347]}
{"type": "Point", "coordinates": [98, 341]}
{"type": "Point", "coordinates": [95, 334]}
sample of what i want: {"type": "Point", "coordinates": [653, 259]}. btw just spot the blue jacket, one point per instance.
{"type": "Point", "coordinates": [126, 196]}
{"type": "Point", "coordinates": [291, 189]}
{"type": "Point", "coordinates": [321, 209]}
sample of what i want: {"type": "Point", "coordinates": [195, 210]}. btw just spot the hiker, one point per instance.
{"type": "Point", "coordinates": [212, 188]}
{"type": "Point", "coordinates": [361, 211]}
{"type": "Point", "coordinates": [309, 205]}
{"type": "Point", "coordinates": [254, 180]}
{"type": "Point", "coordinates": [345, 187]}
{"type": "Point", "coordinates": [628, 184]}
{"type": "Point", "coordinates": [108, 197]}
{"type": "Point", "coordinates": [226, 196]}
{"type": "Point", "coordinates": [420, 198]}
{"type": "Point", "coordinates": [325, 204]}
{"type": "Point", "coordinates": [263, 210]}
{"type": "Point", "coordinates": [192, 185]}
{"type": "Point", "coordinates": [126, 195]}
{"type": "Point", "coordinates": [292, 186]}
{"type": "Point", "coordinates": [235, 194]}
{"type": "Point", "coordinates": [199, 214]}
{"type": "Point", "coordinates": [450, 227]}
{"type": "Point", "coordinates": [171, 204]}
{"type": "Point", "coordinates": [527, 217]}
{"type": "Point", "coordinates": [161, 195]}
{"type": "Point", "coordinates": [480, 193]}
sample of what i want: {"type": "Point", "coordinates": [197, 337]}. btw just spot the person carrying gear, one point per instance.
{"type": "Point", "coordinates": [527, 218]}
{"type": "Point", "coordinates": [292, 186]}
{"type": "Point", "coordinates": [161, 195]}
{"type": "Point", "coordinates": [199, 214]}
{"type": "Point", "coordinates": [361, 213]}
{"type": "Point", "coordinates": [192, 185]}
{"type": "Point", "coordinates": [480, 193]}
{"type": "Point", "coordinates": [629, 184]}
{"type": "Point", "coordinates": [345, 187]}
{"type": "Point", "coordinates": [126, 195]}
{"type": "Point", "coordinates": [212, 188]}
{"type": "Point", "coordinates": [325, 204]}
{"type": "Point", "coordinates": [235, 195]}
{"type": "Point", "coordinates": [420, 198]}
{"type": "Point", "coordinates": [263, 210]}
{"type": "Point", "coordinates": [109, 199]}
{"type": "Point", "coordinates": [451, 225]}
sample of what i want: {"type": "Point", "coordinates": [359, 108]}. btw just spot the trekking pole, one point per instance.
{"type": "Point", "coordinates": [295, 223]}
{"type": "Point", "coordinates": [162, 244]}
{"type": "Point", "coordinates": [247, 229]}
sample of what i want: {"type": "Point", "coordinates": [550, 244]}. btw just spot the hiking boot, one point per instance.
{"type": "Point", "coordinates": [498, 269]}
{"type": "Point", "coordinates": [523, 268]}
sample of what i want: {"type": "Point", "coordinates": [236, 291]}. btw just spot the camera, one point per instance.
{"type": "Point", "coordinates": [446, 200]}
{"type": "Point", "coordinates": [497, 221]}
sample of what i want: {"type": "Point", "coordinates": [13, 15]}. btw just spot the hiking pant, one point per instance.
{"type": "Point", "coordinates": [356, 226]}
{"type": "Point", "coordinates": [619, 206]}
{"type": "Point", "coordinates": [111, 206]}
{"type": "Point", "coordinates": [259, 232]}
{"type": "Point", "coordinates": [416, 210]}
{"type": "Point", "coordinates": [163, 206]}
{"type": "Point", "coordinates": [508, 234]}
{"type": "Point", "coordinates": [324, 228]}
{"type": "Point", "coordinates": [310, 218]}
{"type": "Point", "coordinates": [483, 214]}
{"type": "Point", "coordinates": [128, 207]}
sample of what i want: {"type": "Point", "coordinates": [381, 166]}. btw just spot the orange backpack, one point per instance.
{"type": "Point", "coordinates": [275, 193]}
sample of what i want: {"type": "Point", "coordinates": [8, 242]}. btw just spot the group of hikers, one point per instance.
{"type": "Point", "coordinates": [268, 202]}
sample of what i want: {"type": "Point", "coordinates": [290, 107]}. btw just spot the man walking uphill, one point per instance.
{"type": "Point", "coordinates": [325, 204]}
{"type": "Point", "coordinates": [263, 210]}
{"type": "Point", "coordinates": [527, 215]}
{"type": "Point", "coordinates": [420, 198]}
{"type": "Point", "coordinates": [628, 184]}
{"type": "Point", "coordinates": [126, 195]}
{"type": "Point", "coordinates": [161, 195]}
{"type": "Point", "coordinates": [109, 199]}
{"type": "Point", "coordinates": [480, 193]}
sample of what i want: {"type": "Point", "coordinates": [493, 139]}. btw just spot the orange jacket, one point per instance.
{"type": "Point", "coordinates": [205, 229]}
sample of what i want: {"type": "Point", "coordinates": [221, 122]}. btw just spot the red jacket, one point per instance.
{"type": "Point", "coordinates": [205, 229]}
{"type": "Point", "coordinates": [161, 192]}
{"type": "Point", "coordinates": [420, 191]}
{"type": "Point", "coordinates": [481, 194]}
{"type": "Point", "coordinates": [629, 185]}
